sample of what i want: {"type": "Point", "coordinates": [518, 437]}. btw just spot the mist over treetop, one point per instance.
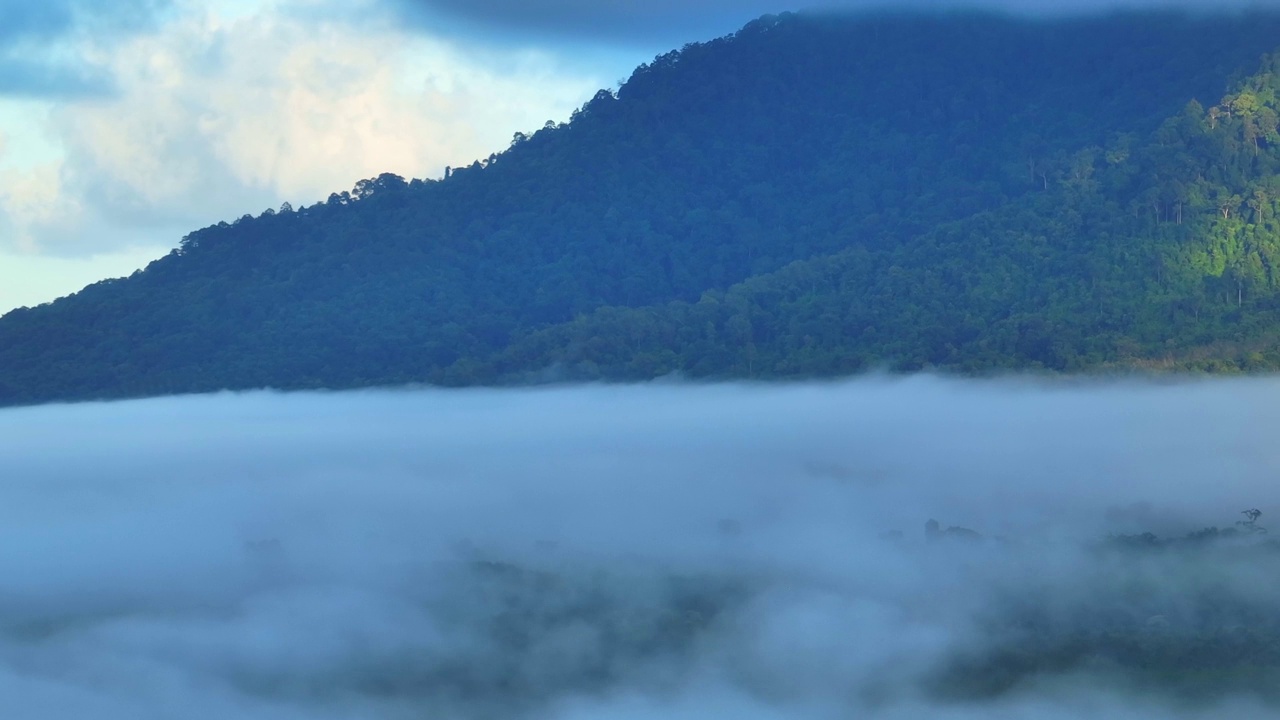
{"type": "Point", "coordinates": [645, 551]}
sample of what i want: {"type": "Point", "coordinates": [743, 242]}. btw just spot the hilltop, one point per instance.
{"type": "Point", "coordinates": [806, 197]}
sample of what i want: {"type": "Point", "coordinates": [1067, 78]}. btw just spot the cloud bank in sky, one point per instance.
{"type": "Point", "coordinates": [684, 21]}
{"type": "Point", "coordinates": [213, 114]}
{"type": "Point", "coordinates": [619, 552]}
{"type": "Point", "coordinates": [39, 42]}
{"type": "Point", "coordinates": [54, 19]}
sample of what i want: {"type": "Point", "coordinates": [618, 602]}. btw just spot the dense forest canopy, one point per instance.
{"type": "Point", "coordinates": [1158, 249]}
{"type": "Point", "coordinates": [808, 196]}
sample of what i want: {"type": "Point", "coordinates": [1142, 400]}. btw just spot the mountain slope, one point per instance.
{"type": "Point", "coordinates": [1159, 251]}
{"type": "Point", "coordinates": [795, 138]}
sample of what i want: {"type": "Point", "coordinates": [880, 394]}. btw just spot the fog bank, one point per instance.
{"type": "Point", "coordinates": [645, 551]}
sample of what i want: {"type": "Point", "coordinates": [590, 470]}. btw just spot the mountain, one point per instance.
{"type": "Point", "coordinates": [1155, 251]}
{"type": "Point", "coordinates": [808, 196]}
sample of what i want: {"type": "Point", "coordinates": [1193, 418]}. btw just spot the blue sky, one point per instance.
{"type": "Point", "coordinates": [125, 125]}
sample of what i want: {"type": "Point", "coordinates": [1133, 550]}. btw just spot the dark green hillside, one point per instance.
{"type": "Point", "coordinates": [1160, 250]}
{"type": "Point", "coordinates": [854, 145]}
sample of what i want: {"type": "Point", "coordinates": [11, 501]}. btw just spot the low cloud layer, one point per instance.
{"type": "Point", "coordinates": [625, 552]}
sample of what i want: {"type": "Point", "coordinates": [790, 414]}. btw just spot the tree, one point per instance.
{"type": "Point", "coordinates": [1259, 202]}
{"type": "Point", "coordinates": [1250, 523]}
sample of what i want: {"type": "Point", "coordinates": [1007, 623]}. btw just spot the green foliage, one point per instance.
{"type": "Point", "coordinates": [804, 197]}
{"type": "Point", "coordinates": [1159, 252]}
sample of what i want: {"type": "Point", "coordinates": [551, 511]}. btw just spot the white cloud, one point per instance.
{"type": "Point", "coordinates": [661, 551]}
{"type": "Point", "coordinates": [221, 115]}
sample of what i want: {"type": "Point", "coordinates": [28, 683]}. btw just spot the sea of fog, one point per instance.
{"type": "Point", "coordinates": [627, 552]}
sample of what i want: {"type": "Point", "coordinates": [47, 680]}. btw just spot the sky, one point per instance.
{"type": "Point", "coordinates": [126, 125]}
{"type": "Point", "coordinates": [623, 553]}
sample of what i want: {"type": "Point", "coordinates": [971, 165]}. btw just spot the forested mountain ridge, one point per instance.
{"type": "Point", "coordinates": [806, 196]}
{"type": "Point", "coordinates": [1155, 251]}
